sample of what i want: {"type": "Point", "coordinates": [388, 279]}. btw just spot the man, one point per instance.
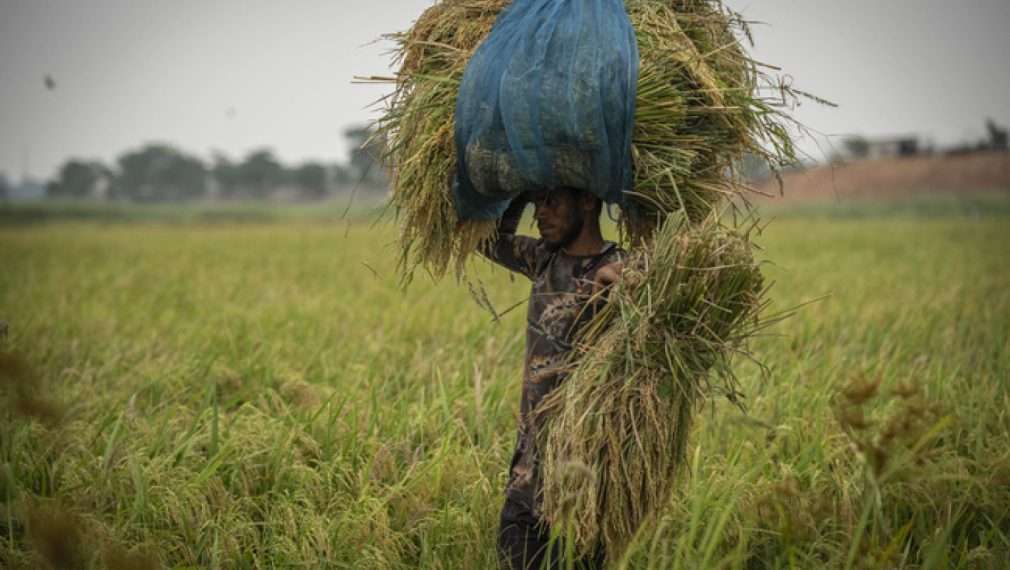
{"type": "Point", "coordinates": [567, 266]}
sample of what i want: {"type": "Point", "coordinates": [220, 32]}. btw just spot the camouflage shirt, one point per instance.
{"type": "Point", "coordinates": [561, 285]}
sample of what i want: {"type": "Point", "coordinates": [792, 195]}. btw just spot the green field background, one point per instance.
{"type": "Point", "coordinates": [199, 392]}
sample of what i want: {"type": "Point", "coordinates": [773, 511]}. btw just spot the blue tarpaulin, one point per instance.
{"type": "Point", "coordinates": [547, 100]}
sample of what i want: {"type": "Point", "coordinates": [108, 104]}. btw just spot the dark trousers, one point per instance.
{"type": "Point", "coordinates": [526, 545]}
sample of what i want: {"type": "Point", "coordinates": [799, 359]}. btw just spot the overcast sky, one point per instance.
{"type": "Point", "coordinates": [237, 75]}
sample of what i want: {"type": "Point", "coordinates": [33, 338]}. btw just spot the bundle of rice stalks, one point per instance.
{"type": "Point", "coordinates": [615, 433]}
{"type": "Point", "coordinates": [417, 133]}
{"type": "Point", "coordinates": [699, 111]}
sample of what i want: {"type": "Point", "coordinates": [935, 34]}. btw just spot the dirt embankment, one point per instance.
{"type": "Point", "coordinates": [973, 174]}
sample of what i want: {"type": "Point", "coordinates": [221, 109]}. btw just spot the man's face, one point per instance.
{"type": "Point", "coordinates": [558, 217]}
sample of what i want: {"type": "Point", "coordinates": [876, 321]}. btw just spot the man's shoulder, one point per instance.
{"type": "Point", "coordinates": [612, 252]}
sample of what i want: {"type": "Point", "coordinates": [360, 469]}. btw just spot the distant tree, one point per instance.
{"type": "Point", "coordinates": [754, 167]}
{"type": "Point", "coordinates": [857, 147]}
{"type": "Point", "coordinates": [160, 173]}
{"type": "Point", "coordinates": [260, 174]}
{"type": "Point", "coordinates": [997, 135]}
{"type": "Point", "coordinates": [4, 193]}
{"type": "Point", "coordinates": [365, 162]}
{"type": "Point", "coordinates": [311, 179]}
{"type": "Point", "coordinates": [80, 179]}
{"type": "Point", "coordinates": [225, 175]}
{"type": "Point", "coordinates": [343, 174]}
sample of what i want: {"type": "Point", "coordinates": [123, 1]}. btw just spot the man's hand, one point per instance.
{"type": "Point", "coordinates": [608, 275]}
{"type": "Point", "coordinates": [613, 273]}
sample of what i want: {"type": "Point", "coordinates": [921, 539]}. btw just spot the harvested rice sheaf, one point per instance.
{"type": "Point", "coordinates": [699, 111]}
{"type": "Point", "coordinates": [615, 433]}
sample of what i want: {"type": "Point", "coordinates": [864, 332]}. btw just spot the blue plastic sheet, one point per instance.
{"type": "Point", "coordinates": [547, 100]}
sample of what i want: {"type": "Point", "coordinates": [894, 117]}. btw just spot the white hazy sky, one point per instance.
{"type": "Point", "coordinates": [237, 75]}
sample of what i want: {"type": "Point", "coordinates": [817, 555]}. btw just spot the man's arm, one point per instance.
{"type": "Point", "coordinates": [514, 252]}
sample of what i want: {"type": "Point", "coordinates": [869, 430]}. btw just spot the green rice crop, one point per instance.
{"type": "Point", "coordinates": [267, 395]}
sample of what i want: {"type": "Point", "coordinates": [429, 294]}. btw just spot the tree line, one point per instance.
{"type": "Point", "coordinates": [163, 173]}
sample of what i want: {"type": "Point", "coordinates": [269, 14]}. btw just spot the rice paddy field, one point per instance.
{"type": "Point", "coordinates": [181, 391]}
